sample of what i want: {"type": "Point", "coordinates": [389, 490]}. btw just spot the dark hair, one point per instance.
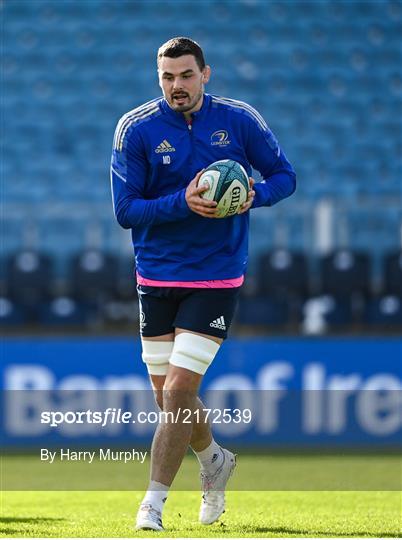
{"type": "Point", "coordinates": [179, 46]}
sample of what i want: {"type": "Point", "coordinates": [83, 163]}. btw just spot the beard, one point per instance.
{"type": "Point", "coordinates": [187, 104]}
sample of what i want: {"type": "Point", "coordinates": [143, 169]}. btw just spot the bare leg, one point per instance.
{"type": "Point", "coordinates": [176, 394]}
{"type": "Point", "coordinates": [171, 440]}
{"type": "Point", "coordinates": [201, 435]}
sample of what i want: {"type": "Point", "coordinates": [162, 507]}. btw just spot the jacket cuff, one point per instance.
{"type": "Point", "coordinates": [262, 195]}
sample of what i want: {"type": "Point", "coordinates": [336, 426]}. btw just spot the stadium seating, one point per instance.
{"type": "Point", "coordinates": [11, 314]}
{"type": "Point", "coordinates": [344, 273]}
{"type": "Point", "coordinates": [385, 311]}
{"type": "Point", "coordinates": [93, 275]}
{"type": "Point", "coordinates": [327, 312]}
{"type": "Point", "coordinates": [283, 273]}
{"type": "Point", "coordinates": [29, 278]}
{"type": "Point", "coordinates": [393, 273]}
{"type": "Point", "coordinates": [263, 312]}
{"type": "Point", "coordinates": [65, 311]}
{"type": "Point", "coordinates": [325, 75]}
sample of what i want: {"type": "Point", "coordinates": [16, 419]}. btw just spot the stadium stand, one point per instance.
{"type": "Point", "coordinates": [283, 273]}
{"type": "Point", "coordinates": [345, 273]}
{"type": "Point", "coordinates": [393, 273]}
{"type": "Point", "coordinates": [72, 68]}
{"type": "Point", "coordinates": [385, 311]}
{"type": "Point", "coordinates": [93, 275]}
{"type": "Point", "coordinates": [28, 278]}
{"type": "Point", "coordinates": [64, 311]}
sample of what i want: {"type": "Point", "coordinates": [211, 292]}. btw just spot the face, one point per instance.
{"type": "Point", "coordinates": [182, 82]}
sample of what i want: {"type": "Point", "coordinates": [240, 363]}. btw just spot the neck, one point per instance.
{"type": "Point", "coordinates": [197, 107]}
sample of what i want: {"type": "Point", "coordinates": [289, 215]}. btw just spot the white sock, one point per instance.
{"type": "Point", "coordinates": [211, 458]}
{"type": "Point", "coordinates": [156, 495]}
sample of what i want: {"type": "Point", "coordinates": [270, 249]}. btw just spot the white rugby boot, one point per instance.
{"type": "Point", "coordinates": [213, 487]}
{"type": "Point", "coordinates": [149, 518]}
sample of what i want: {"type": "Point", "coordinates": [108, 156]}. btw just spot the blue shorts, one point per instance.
{"type": "Point", "coordinates": [206, 311]}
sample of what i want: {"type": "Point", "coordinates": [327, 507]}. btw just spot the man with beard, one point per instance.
{"type": "Point", "coordinates": [189, 264]}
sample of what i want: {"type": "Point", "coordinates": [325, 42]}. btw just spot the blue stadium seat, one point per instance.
{"type": "Point", "coordinates": [126, 280]}
{"type": "Point", "coordinates": [93, 275]}
{"type": "Point", "coordinates": [345, 272]}
{"type": "Point", "coordinates": [65, 311]}
{"type": "Point", "coordinates": [385, 311]}
{"type": "Point", "coordinates": [283, 273]}
{"type": "Point", "coordinates": [29, 278]}
{"type": "Point", "coordinates": [263, 312]}
{"type": "Point", "coordinates": [393, 273]}
{"type": "Point", "coordinates": [11, 314]}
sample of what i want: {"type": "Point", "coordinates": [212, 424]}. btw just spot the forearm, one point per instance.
{"type": "Point", "coordinates": [273, 189]}
{"type": "Point", "coordinates": [133, 212]}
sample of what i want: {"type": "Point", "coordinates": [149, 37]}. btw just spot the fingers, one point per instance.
{"type": "Point", "coordinates": [245, 207]}
{"type": "Point", "coordinates": [204, 208]}
{"type": "Point", "coordinates": [250, 198]}
{"type": "Point", "coordinates": [197, 204]}
{"type": "Point", "coordinates": [202, 187]}
{"type": "Point", "coordinates": [204, 211]}
{"type": "Point", "coordinates": [207, 208]}
{"type": "Point", "coordinates": [207, 214]}
{"type": "Point", "coordinates": [193, 189]}
{"type": "Point", "coordinates": [196, 200]}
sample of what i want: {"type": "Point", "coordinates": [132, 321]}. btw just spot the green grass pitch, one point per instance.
{"type": "Point", "coordinates": [255, 514]}
{"type": "Point", "coordinates": [84, 514]}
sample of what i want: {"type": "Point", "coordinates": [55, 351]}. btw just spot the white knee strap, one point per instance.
{"type": "Point", "coordinates": [156, 356]}
{"type": "Point", "coordinates": [193, 352]}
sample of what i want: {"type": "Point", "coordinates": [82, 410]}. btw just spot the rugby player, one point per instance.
{"type": "Point", "coordinates": [189, 264]}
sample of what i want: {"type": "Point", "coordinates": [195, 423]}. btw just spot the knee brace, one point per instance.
{"type": "Point", "coordinates": [156, 356]}
{"type": "Point", "coordinates": [193, 352]}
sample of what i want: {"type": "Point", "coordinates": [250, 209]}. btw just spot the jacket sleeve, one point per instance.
{"type": "Point", "coordinates": [266, 156]}
{"type": "Point", "coordinates": [128, 173]}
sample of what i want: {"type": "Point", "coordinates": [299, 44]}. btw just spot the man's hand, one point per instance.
{"type": "Point", "coordinates": [251, 194]}
{"type": "Point", "coordinates": [196, 203]}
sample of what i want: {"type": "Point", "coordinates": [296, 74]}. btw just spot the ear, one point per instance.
{"type": "Point", "coordinates": [206, 74]}
{"type": "Point", "coordinates": [159, 79]}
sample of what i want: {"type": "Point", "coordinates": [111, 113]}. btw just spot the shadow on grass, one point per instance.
{"type": "Point", "coordinates": [20, 521]}
{"type": "Point", "coordinates": [28, 519]}
{"type": "Point", "coordinates": [331, 534]}
{"type": "Point", "coordinates": [225, 529]}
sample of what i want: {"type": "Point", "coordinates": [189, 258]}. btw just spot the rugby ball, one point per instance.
{"type": "Point", "coordinates": [228, 185]}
